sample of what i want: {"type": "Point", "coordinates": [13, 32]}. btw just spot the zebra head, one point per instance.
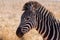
{"type": "Point", "coordinates": [36, 16]}
{"type": "Point", "coordinates": [28, 19]}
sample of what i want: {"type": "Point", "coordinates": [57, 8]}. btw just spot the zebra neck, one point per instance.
{"type": "Point", "coordinates": [46, 23]}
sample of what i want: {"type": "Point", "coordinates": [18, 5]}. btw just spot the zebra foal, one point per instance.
{"type": "Point", "coordinates": [37, 16]}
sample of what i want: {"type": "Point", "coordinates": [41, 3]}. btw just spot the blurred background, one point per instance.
{"type": "Point", "coordinates": [11, 11]}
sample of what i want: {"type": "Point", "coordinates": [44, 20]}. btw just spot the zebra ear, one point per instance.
{"type": "Point", "coordinates": [31, 6]}
{"type": "Point", "coordinates": [27, 7]}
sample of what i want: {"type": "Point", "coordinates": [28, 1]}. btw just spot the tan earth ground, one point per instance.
{"type": "Point", "coordinates": [10, 13]}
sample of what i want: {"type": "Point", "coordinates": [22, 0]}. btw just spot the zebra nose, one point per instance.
{"type": "Point", "coordinates": [19, 33]}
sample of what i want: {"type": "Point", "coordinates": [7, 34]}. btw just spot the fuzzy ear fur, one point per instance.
{"type": "Point", "coordinates": [31, 5]}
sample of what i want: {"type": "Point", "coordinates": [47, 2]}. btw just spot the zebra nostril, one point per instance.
{"type": "Point", "coordinates": [28, 18]}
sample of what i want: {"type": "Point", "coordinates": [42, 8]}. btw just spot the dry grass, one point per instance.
{"type": "Point", "coordinates": [10, 13]}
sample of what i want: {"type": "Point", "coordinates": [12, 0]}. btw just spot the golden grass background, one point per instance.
{"type": "Point", "coordinates": [10, 13]}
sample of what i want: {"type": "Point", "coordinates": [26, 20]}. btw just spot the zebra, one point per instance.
{"type": "Point", "coordinates": [37, 16]}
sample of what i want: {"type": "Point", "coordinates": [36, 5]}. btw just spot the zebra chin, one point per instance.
{"type": "Point", "coordinates": [20, 35]}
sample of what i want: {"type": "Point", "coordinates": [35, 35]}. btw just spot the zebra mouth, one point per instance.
{"type": "Point", "coordinates": [20, 35]}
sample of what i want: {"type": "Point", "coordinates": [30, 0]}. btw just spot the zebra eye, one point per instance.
{"type": "Point", "coordinates": [28, 18]}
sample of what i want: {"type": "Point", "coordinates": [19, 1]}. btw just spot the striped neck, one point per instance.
{"type": "Point", "coordinates": [45, 23]}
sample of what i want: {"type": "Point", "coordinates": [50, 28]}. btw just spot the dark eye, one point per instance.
{"type": "Point", "coordinates": [28, 18]}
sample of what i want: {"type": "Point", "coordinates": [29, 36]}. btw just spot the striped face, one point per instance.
{"type": "Point", "coordinates": [28, 21]}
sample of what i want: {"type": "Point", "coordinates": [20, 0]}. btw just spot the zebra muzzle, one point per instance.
{"type": "Point", "coordinates": [19, 33]}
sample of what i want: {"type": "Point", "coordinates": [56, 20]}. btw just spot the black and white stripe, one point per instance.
{"type": "Point", "coordinates": [46, 23]}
